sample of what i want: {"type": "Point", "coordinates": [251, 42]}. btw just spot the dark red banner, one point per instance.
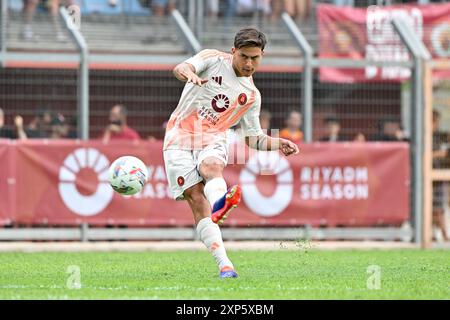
{"type": "Point", "coordinates": [7, 182]}
{"type": "Point", "coordinates": [367, 33]}
{"type": "Point", "coordinates": [65, 183]}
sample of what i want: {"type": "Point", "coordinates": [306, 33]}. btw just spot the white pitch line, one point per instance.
{"type": "Point", "coordinates": [197, 245]}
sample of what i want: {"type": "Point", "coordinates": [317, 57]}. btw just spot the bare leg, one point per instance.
{"type": "Point", "coordinates": [29, 9]}
{"type": "Point", "coordinates": [53, 9]}
{"type": "Point", "coordinates": [289, 7]}
{"type": "Point", "coordinates": [277, 7]}
{"type": "Point", "coordinates": [196, 199]}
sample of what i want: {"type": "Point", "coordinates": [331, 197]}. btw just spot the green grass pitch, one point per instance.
{"type": "Point", "coordinates": [276, 274]}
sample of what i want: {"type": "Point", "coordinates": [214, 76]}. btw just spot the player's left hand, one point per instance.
{"type": "Point", "coordinates": [288, 147]}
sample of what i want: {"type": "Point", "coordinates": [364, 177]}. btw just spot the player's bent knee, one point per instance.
{"type": "Point", "coordinates": [211, 168]}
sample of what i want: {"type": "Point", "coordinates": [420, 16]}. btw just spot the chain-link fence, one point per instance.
{"type": "Point", "coordinates": [149, 95]}
{"type": "Point", "coordinates": [357, 112]}
{"type": "Point", "coordinates": [44, 98]}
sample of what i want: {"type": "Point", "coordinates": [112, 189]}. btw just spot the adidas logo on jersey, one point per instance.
{"type": "Point", "coordinates": [218, 80]}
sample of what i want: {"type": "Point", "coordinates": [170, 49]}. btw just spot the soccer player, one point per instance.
{"type": "Point", "coordinates": [218, 94]}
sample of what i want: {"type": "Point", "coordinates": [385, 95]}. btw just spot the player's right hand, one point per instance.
{"type": "Point", "coordinates": [192, 77]}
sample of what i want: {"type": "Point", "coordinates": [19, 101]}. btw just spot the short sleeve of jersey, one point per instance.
{"type": "Point", "coordinates": [250, 124]}
{"type": "Point", "coordinates": [202, 60]}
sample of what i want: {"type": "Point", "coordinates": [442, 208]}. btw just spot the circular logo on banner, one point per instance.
{"type": "Point", "coordinates": [440, 40]}
{"type": "Point", "coordinates": [242, 99]}
{"type": "Point", "coordinates": [83, 182]}
{"type": "Point", "coordinates": [267, 163]}
{"type": "Point", "coordinates": [220, 103]}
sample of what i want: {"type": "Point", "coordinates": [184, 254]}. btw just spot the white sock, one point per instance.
{"type": "Point", "coordinates": [215, 189]}
{"type": "Point", "coordinates": [209, 233]}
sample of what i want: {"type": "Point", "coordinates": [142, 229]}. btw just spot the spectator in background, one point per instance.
{"type": "Point", "coordinates": [29, 9]}
{"type": "Point", "coordinates": [263, 8]}
{"type": "Point", "coordinates": [59, 127]}
{"type": "Point", "coordinates": [251, 8]}
{"type": "Point", "coordinates": [245, 8]}
{"type": "Point", "coordinates": [39, 127]}
{"type": "Point", "coordinates": [276, 9]}
{"type": "Point", "coordinates": [292, 131]}
{"type": "Point", "coordinates": [441, 160]}
{"type": "Point", "coordinates": [359, 137]}
{"type": "Point", "coordinates": [161, 7]}
{"type": "Point", "coordinates": [392, 131]}
{"type": "Point", "coordinates": [231, 8]}
{"type": "Point", "coordinates": [9, 133]}
{"type": "Point", "coordinates": [72, 128]}
{"type": "Point", "coordinates": [213, 8]}
{"type": "Point", "coordinates": [118, 128]}
{"type": "Point", "coordinates": [333, 130]}
{"type": "Point", "coordinates": [297, 9]}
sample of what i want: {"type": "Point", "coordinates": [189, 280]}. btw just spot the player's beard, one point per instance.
{"type": "Point", "coordinates": [247, 73]}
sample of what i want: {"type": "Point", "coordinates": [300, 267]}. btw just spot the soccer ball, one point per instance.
{"type": "Point", "coordinates": [127, 175]}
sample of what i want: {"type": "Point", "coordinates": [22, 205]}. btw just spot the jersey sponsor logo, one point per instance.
{"type": "Point", "coordinates": [209, 115]}
{"type": "Point", "coordinates": [218, 80]}
{"type": "Point", "coordinates": [242, 99]}
{"type": "Point", "coordinates": [180, 181]}
{"type": "Point", "coordinates": [220, 103]}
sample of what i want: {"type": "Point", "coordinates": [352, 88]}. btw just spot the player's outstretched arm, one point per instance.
{"type": "Point", "coordinates": [265, 143]}
{"type": "Point", "coordinates": [186, 72]}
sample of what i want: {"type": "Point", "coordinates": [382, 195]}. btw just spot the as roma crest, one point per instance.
{"type": "Point", "coordinates": [242, 99]}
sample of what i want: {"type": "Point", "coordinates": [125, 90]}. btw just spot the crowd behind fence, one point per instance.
{"type": "Point", "coordinates": [368, 112]}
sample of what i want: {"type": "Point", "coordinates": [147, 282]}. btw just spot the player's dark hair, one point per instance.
{"type": "Point", "coordinates": [249, 37]}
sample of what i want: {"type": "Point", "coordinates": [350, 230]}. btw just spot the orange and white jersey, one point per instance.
{"type": "Point", "coordinates": [205, 113]}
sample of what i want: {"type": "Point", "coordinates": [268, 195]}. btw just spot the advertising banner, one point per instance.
{"type": "Point", "coordinates": [66, 183]}
{"type": "Point", "coordinates": [367, 33]}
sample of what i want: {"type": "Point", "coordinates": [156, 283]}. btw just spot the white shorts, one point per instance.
{"type": "Point", "coordinates": [182, 166]}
